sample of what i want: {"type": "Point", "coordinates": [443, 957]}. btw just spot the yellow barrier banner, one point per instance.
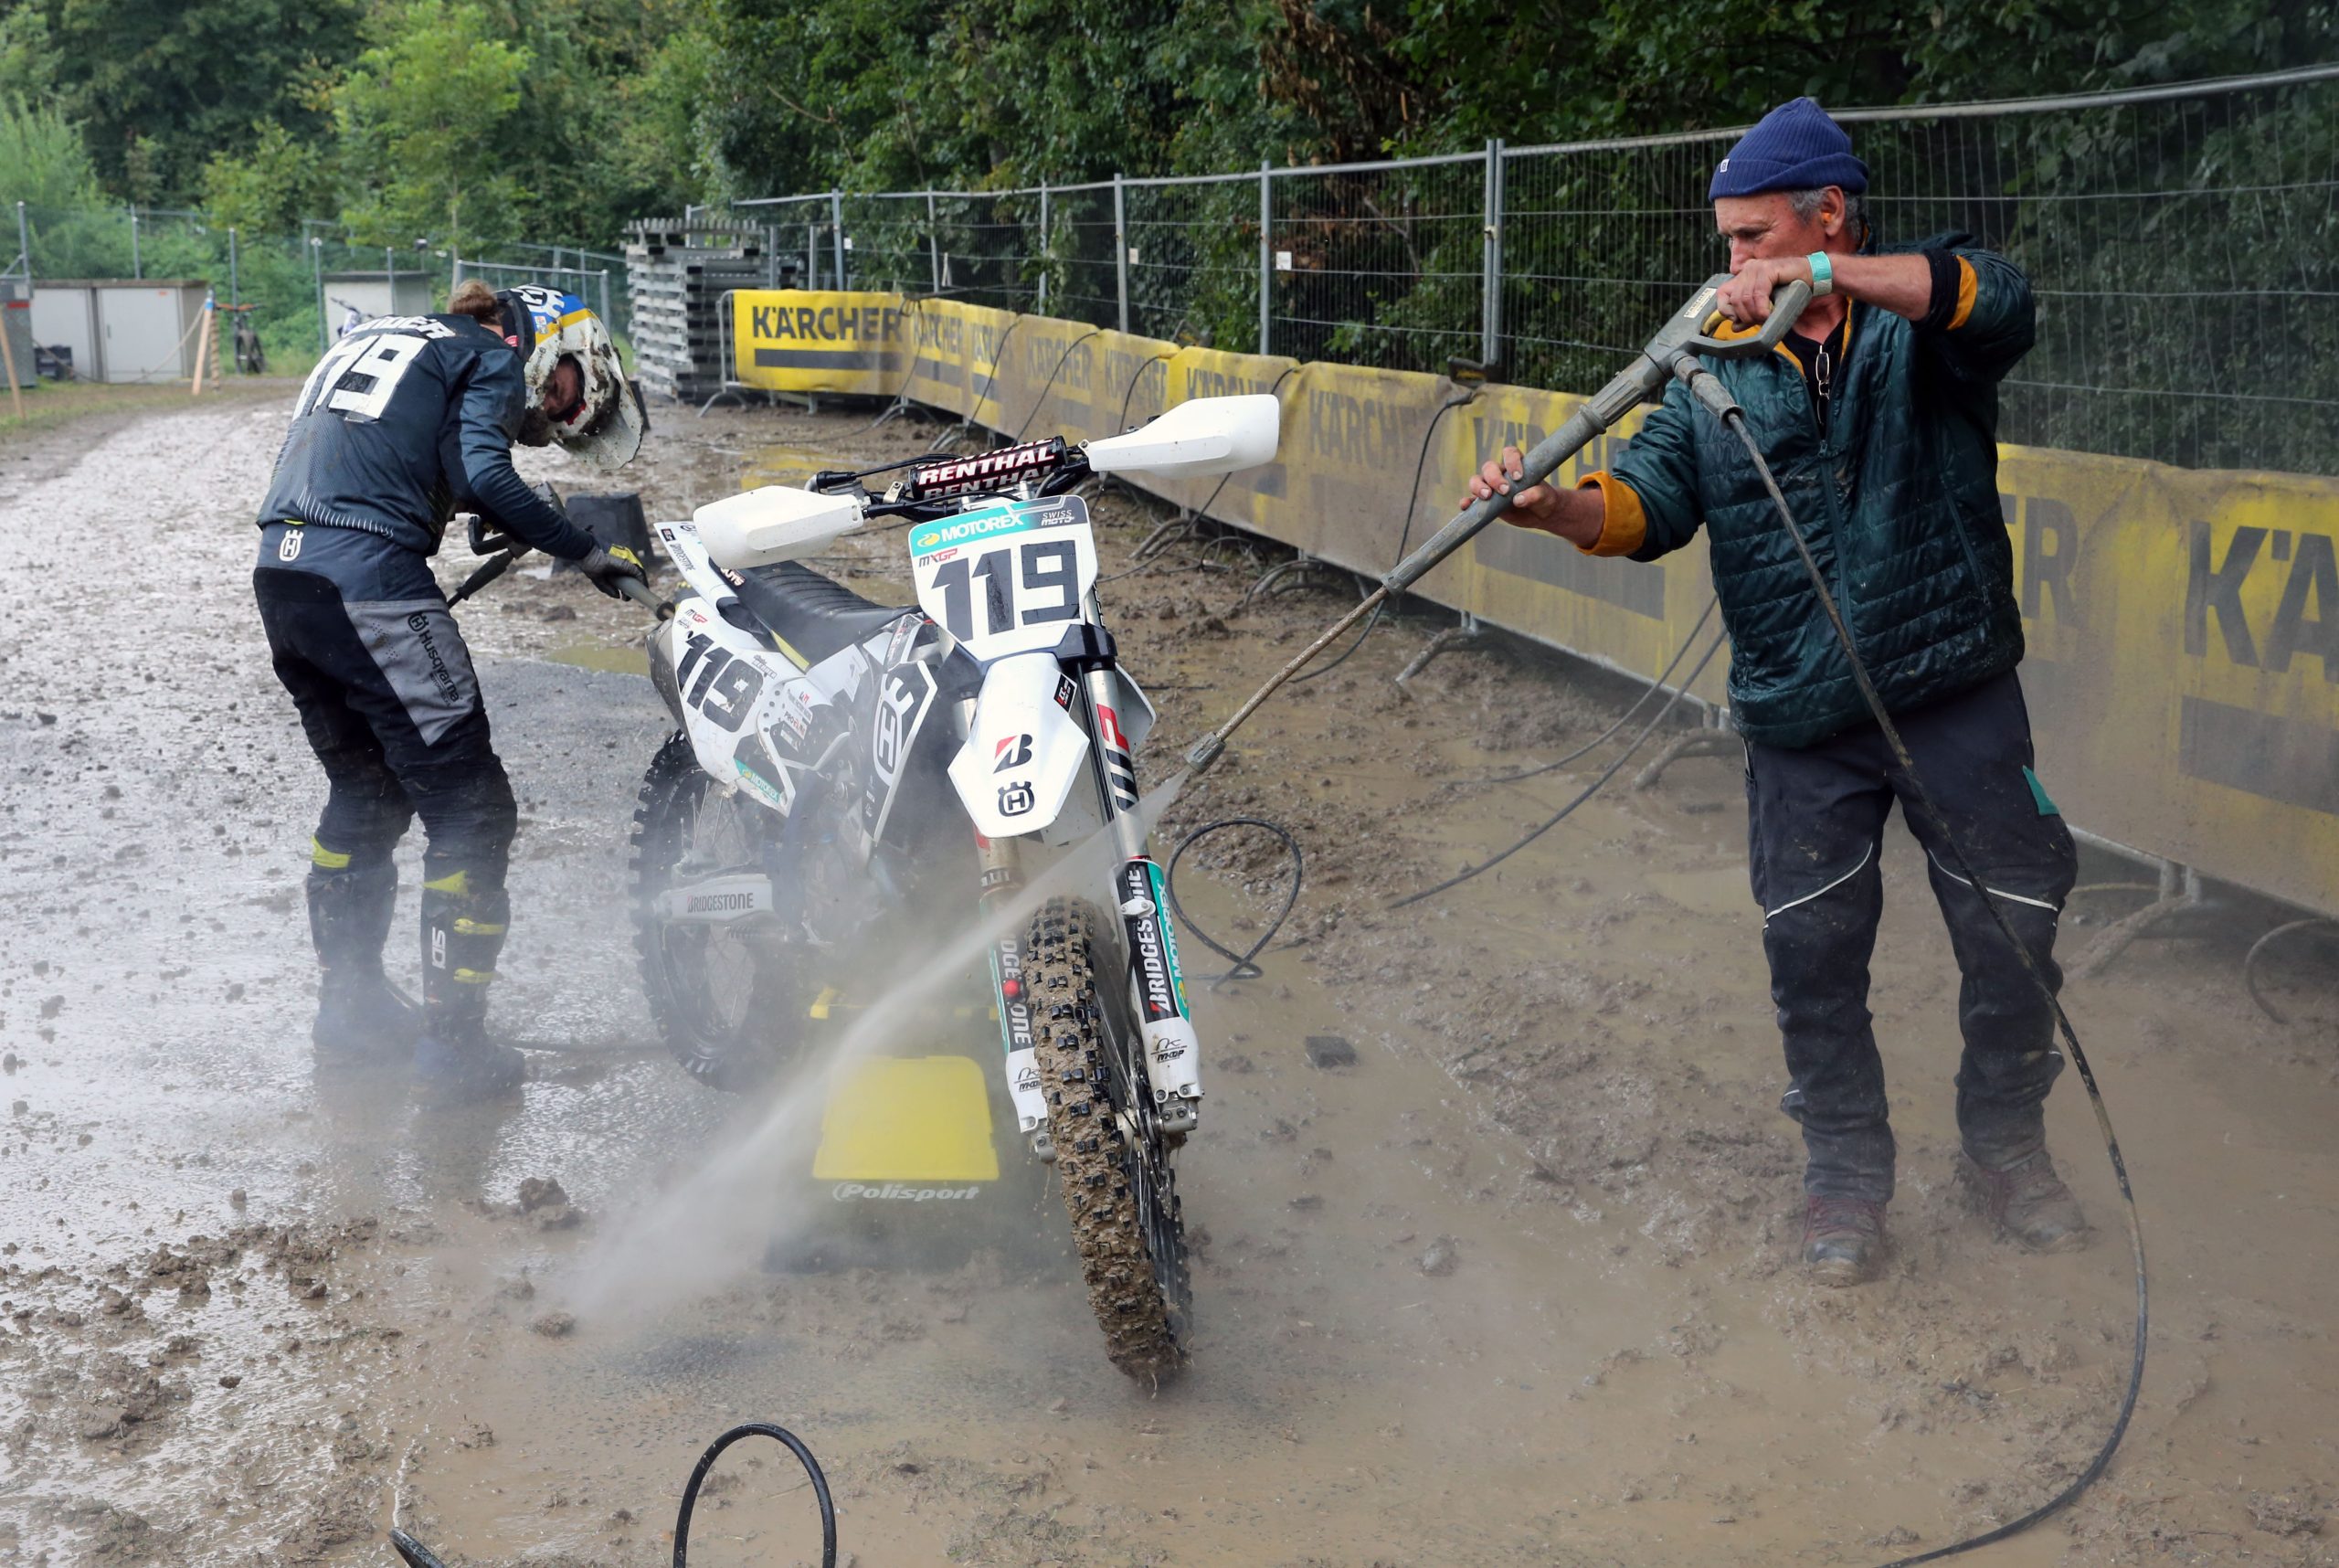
{"type": "Point", "coordinates": [2184, 627]}
{"type": "Point", "coordinates": [804, 340]}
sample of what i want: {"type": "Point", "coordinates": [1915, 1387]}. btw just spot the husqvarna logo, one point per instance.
{"type": "Point", "coordinates": [1015, 798]}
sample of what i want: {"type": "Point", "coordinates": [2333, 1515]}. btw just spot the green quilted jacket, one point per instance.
{"type": "Point", "coordinates": [1899, 500]}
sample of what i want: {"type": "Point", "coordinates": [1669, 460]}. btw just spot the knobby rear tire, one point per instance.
{"type": "Point", "coordinates": [737, 1060]}
{"type": "Point", "coordinates": [1111, 1161]}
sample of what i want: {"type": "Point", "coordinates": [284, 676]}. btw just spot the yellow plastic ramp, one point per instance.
{"type": "Point", "coordinates": [908, 1130]}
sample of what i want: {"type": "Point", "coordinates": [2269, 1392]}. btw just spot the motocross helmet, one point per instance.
{"type": "Point", "coordinates": [605, 424]}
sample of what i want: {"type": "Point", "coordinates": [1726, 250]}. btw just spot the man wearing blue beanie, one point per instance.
{"type": "Point", "coordinates": [1879, 416]}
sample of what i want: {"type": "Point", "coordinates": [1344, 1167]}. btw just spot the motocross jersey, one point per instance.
{"type": "Point", "coordinates": [403, 421]}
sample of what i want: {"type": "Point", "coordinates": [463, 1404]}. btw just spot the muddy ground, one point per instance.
{"type": "Point", "coordinates": [1509, 1289]}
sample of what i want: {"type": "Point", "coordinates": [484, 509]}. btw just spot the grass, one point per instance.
{"type": "Point", "coordinates": [49, 405]}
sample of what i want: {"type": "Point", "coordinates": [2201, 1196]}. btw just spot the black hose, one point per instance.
{"type": "Point", "coordinates": [1922, 799]}
{"type": "Point", "coordinates": [1130, 391]}
{"type": "Point", "coordinates": [1245, 968]}
{"type": "Point", "coordinates": [804, 1456]}
{"type": "Point", "coordinates": [1045, 386]}
{"type": "Point", "coordinates": [2249, 960]}
{"type": "Point", "coordinates": [1586, 793]}
{"type": "Point", "coordinates": [1621, 719]}
{"type": "Point", "coordinates": [1412, 495]}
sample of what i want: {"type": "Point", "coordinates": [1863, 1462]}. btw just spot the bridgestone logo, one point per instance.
{"type": "Point", "coordinates": [707, 903]}
{"type": "Point", "coordinates": [899, 1192]}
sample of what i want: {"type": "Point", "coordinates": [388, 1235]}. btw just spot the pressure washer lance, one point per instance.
{"type": "Point", "coordinates": [1675, 353]}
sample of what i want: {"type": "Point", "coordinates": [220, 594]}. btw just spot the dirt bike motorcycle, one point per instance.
{"type": "Point", "coordinates": [849, 780]}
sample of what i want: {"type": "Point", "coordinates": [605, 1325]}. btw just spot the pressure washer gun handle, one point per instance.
{"type": "Point", "coordinates": [642, 594]}
{"type": "Point", "coordinates": [1684, 358]}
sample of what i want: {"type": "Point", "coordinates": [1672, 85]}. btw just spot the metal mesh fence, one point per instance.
{"type": "Point", "coordinates": [2183, 243]}
{"type": "Point", "coordinates": [296, 288]}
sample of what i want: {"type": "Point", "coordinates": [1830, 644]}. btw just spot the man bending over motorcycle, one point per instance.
{"type": "Point", "coordinates": [404, 421]}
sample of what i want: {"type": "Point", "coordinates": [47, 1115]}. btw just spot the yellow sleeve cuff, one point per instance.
{"type": "Point", "coordinates": [1624, 526]}
{"type": "Point", "coordinates": [1967, 282]}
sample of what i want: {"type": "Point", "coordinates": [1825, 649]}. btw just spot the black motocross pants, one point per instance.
{"type": "Point", "coordinates": [1814, 825]}
{"type": "Point", "coordinates": [392, 707]}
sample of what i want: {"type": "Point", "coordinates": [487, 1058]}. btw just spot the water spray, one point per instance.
{"type": "Point", "coordinates": [1677, 352]}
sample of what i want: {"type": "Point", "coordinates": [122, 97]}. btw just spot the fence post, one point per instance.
{"type": "Point", "coordinates": [234, 296]}
{"type": "Point", "coordinates": [811, 255]}
{"type": "Point", "coordinates": [137, 266]}
{"type": "Point", "coordinates": [1047, 248]}
{"type": "Point", "coordinates": [25, 248]}
{"type": "Point", "coordinates": [933, 245]}
{"type": "Point", "coordinates": [836, 222]}
{"type": "Point", "coordinates": [1121, 251]}
{"type": "Point", "coordinates": [1266, 251]}
{"type": "Point", "coordinates": [317, 277]}
{"type": "Point", "coordinates": [605, 299]}
{"type": "Point", "coordinates": [1491, 282]}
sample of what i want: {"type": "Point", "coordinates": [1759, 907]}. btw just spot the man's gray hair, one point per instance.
{"type": "Point", "coordinates": [1806, 206]}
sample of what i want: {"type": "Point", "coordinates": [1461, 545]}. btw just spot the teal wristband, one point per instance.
{"type": "Point", "coordinates": [1823, 274]}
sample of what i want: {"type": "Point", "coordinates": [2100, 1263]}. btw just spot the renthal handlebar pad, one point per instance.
{"type": "Point", "coordinates": [1001, 470]}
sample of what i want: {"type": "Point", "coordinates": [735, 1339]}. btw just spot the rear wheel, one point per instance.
{"type": "Point", "coordinates": [727, 1005]}
{"type": "Point", "coordinates": [1111, 1160]}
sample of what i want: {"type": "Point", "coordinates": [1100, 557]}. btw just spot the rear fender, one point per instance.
{"type": "Point", "coordinates": [1023, 749]}
{"type": "Point", "coordinates": [730, 692]}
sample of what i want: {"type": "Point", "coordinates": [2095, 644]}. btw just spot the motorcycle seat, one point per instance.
{"type": "Point", "coordinates": [813, 615]}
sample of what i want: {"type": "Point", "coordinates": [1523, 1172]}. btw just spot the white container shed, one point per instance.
{"type": "Point", "coordinates": [121, 329]}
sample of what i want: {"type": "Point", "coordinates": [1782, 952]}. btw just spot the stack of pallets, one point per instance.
{"type": "Point", "coordinates": [681, 273]}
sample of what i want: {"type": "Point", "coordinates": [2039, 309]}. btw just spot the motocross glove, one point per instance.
{"type": "Point", "coordinates": [608, 564]}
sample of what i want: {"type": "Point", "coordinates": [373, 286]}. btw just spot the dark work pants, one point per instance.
{"type": "Point", "coordinates": [1814, 827]}
{"type": "Point", "coordinates": [391, 706]}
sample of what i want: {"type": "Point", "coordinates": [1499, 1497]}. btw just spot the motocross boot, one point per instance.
{"type": "Point", "coordinates": [361, 1016]}
{"type": "Point", "coordinates": [462, 933]}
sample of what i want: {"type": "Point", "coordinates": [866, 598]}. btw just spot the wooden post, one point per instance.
{"type": "Point", "coordinates": [8, 360]}
{"type": "Point", "coordinates": [202, 347]}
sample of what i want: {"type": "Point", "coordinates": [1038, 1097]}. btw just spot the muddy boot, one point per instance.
{"type": "Point", "coordinates": [462, 933]}
{"type": "Point", "coordinates": [2023, 1199]}
{"type": "Point", "coordinates": [1843, 1239]}
{"type": "Point", "coordinates": [361, 1016]}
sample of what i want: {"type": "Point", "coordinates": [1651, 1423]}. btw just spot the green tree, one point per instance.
{"type": "Point", "coordinates": [268, 188]}
{"type": "Point", "coordinates": [27, 57]}
{"type": "Point", "coordinates": [160, 89]}
{"type": "Point", "coordinates": [425, 117]}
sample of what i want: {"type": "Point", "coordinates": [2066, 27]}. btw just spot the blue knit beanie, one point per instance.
{"type": "Point", "coordinates": [1795, 148]}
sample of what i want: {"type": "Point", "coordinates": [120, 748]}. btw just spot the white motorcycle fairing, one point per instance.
{"type": "Point", "coordinates": [1023, 749]}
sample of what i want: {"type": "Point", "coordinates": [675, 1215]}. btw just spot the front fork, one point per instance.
{"type": "Point", "coordinates": [1173, 1050]}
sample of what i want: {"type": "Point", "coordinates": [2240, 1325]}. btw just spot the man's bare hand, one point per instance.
{"type": "Point", "coordinates": [1537, 507]}
{"type": "Point", "coordinates": [1746, 297]}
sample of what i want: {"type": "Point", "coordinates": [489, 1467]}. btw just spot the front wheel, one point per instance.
{"type": "Point", "coordinates": [724, 1004]}
{"type": "Point", "coordinates": [1112, 1159]}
